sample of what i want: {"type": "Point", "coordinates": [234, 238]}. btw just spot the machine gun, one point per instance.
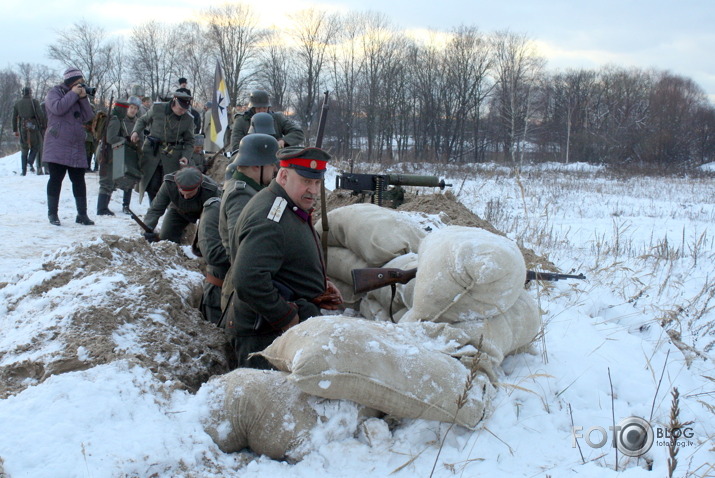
{"type": "Point", "coordinates": [376, 184]}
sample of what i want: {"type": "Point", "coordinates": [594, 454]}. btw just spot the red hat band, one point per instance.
{"type": "Point", "coordinates": [316, 164]}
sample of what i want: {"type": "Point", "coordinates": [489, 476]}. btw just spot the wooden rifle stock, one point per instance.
{"type": "Point", "coordinates": [142, 224]}
{"type": "Point", "coordinates": [365, 280]}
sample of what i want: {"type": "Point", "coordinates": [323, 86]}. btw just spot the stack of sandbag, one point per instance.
{"type": "Point", "coordinates": [376, 303]}
{"type": "Point", "coordinates": [366, 235]}
{"type": "Point", "coordinates": [264, 411]}
{"type": "Point", "coordinates": [406, 370]}
{"type": "Point", "coordinates": [474, 280]}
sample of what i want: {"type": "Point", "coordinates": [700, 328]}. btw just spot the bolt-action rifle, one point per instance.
{"type": "Point", "coordinates": [371, 278]}
{"type": "Point", "coordinates": [323, 199]}
{"type": "Point", "coordinates": [142, 224]}
{"type": "Point", "coordinates": [376, 184]}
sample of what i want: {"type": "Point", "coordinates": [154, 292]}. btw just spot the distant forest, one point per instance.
{"type": "Point", "coordinates": [461, 96]}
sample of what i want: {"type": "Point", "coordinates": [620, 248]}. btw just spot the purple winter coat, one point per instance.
{"type": "Point", "coordinates": [65, 135]}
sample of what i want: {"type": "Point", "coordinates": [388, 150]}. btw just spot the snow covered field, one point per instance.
{"type": "Point", "coordinates": [614, 346]}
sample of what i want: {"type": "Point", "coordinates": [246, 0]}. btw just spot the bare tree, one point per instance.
{"type": "Point", "coordinates": [83, 46]}
{"type": "Point", "coordinates": [233, 29]}
{"type": "Point", "coordinates": [467, 62]}
{"type": "Point", "coordinates": [346, 64]}
{"type": "Point", "coordinates": [378, 47]}
{"type": "Point", "coordinates": [274, 71]}
{"type": "Point", "coordinates": [196, 60]}
{"type": "Point", "coordinates": [517, 70]}
{"type": "Point", "coordinates": [153, 56]}
{"type": "Point", "coordinates": [9, 93]}
{"type": "Point", "coordinates": [313, 30]}
{"type": "Point", "coordinates": [38, 77]}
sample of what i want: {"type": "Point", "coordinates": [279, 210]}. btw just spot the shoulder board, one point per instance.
{"type": "Point", "coordinates": [276, 212]}
{"type": "Point", "coordinates": [169, 177]}
{"type": "Point", "coordinates": [212, 200]}
{"type": "Point", "coordinates": [239, 185]}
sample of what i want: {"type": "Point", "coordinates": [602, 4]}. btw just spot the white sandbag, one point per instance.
{"type": "Point", "coordinates": [504, 333]}
{"type": "Point", "coordinates": [404, 370]}
{"type": "Point", "coordinates": [465, 273]}
{"type": "Point", "coordinates": [377, 302]}
{"type": "Point", "coordinates": [341, 262]}
{"type": "Point", "coordinates": [376, 234]}
{"type": "Point", "coordinates": [263, 411]}
{"type": "Point", "coordinates": [350, 298]}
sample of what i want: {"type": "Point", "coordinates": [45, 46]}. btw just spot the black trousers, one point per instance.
{"type": "Point", "coordinates": [57, 175]}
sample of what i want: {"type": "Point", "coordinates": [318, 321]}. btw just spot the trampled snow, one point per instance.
{"type": "Point", "coordinates": [645, 311]}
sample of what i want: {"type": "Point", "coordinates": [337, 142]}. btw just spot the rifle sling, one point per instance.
{"type": "Point", "coordinates": [392, 299]}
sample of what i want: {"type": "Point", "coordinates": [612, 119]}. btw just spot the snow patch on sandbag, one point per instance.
{"type": "Point", "coordinates": [466, 273]}
{"type": "Point", "coordinates": [376, 234]}
{"type": "Point", "coordinates": [264, 411]}
{"type": "Point", "coordinates": [410, 370]}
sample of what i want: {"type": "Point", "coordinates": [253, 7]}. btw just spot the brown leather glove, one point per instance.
{"type": "Point", "coordinates": [330, 299]}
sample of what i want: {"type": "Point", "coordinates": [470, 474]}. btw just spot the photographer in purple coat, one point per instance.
{"type": "Point", "coordinates": [68, 109]}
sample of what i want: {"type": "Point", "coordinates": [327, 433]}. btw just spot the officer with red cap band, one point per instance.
{"type": "Point", "coordinates": [278, 271]}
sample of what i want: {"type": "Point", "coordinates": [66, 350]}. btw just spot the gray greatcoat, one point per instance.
{"type": "Point", "coordinates": [174, 137]}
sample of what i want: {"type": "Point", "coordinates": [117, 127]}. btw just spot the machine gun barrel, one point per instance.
{"type": "Point", "coordinates": [416, 180]}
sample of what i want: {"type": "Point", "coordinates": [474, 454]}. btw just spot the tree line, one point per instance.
{"type": "Point", "coordinates": [457, 96]}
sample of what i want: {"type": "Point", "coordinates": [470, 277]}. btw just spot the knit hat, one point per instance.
{"type": "Point", "coordinates": [188, 179]}
{"type": "Point", "coordinates": [134, 100]}
{"type": "Point", "coordinates": [71, 75]}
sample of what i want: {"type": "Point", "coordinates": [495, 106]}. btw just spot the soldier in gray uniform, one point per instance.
{"type": "Point", "coordinates": [260, 123]}
{"type": "Point", "coordinates": [277, 262]}
{"type": "Point", "coordinates": [122, 120]}
{"type": "Point", "coordinates": [182, 196]}
{"type": "Point", "coordinates": [28, 123]}
{"type": "Point", "coordinates": [198, 158]}
{"type": "Point", "coordinates": [253, 170]}
{"type": "Point", "coordinates": [256, 165]}
{"type": "Point", "coordinates": [217, 261]}
{"type": "Point", "coordinates": [288, 132]}
{"type": "Point", "coordinates": [171, 138]}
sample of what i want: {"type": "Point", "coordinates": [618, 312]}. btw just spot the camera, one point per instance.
{"type": "Point", "coordinates": [91, 91]}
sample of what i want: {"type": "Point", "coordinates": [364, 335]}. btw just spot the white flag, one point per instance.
{"type": "Point", "coordinates": [219, 109]}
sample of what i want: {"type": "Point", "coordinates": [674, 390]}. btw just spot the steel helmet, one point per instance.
{"type": "Point", "coordinates": [262, 123]}
{"type": "Point", "coordinates": [257, 150]}
{"type": "Point", "coordinates": [259, 99]}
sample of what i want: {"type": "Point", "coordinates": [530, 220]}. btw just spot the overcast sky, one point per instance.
{"type": "Point", "coordinates": [668, 35]}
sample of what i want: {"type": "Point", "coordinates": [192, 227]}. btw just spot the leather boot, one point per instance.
{"type": "Point", "coordinates": [103, 205]}
{"type": "Point", "coordinates": [82, 217]}
{"type": "Point", "coordinates": [126, 200]}
{"type": "Point", "coordinates": [53, 203]}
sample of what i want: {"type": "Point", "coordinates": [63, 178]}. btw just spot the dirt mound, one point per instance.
{"type": "Point", "coordinates": [113, 298]}
{"type": "Point", "coordinates": [217, 170]}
